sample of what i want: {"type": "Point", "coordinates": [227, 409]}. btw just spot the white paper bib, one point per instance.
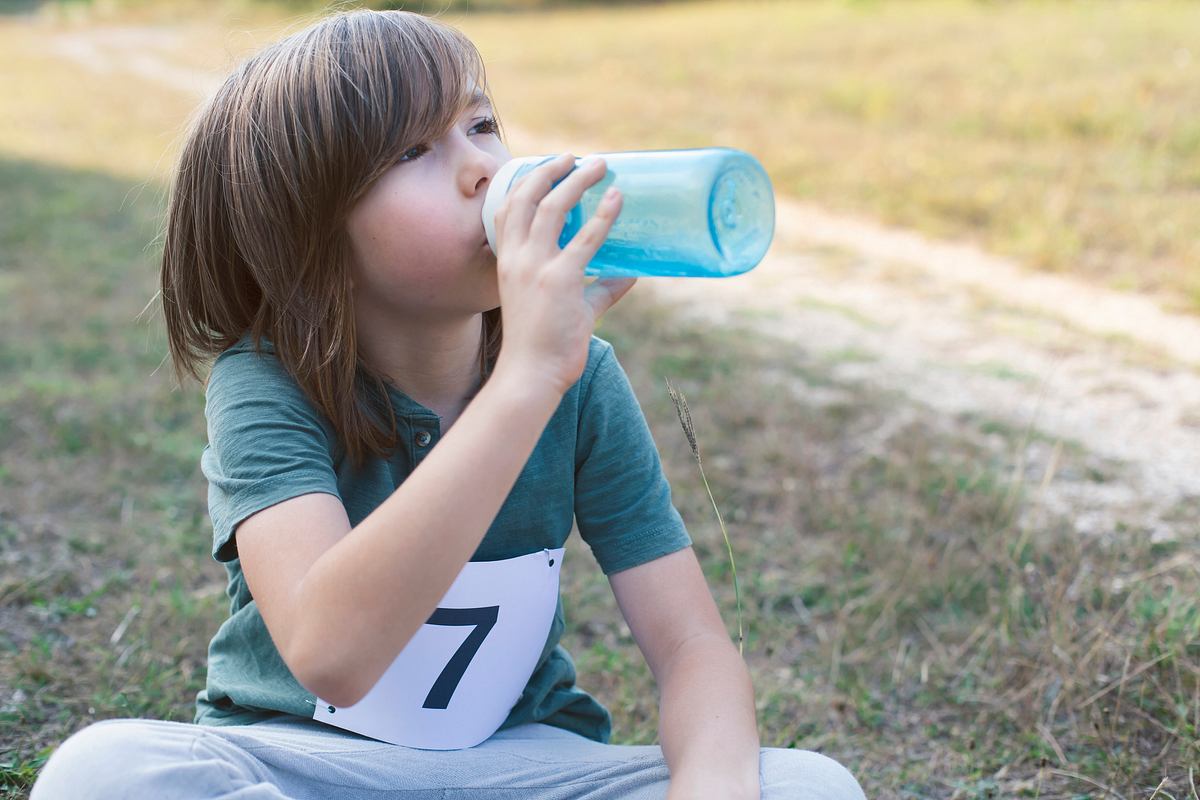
{"type": "Point", "coordinates": [454, 683]}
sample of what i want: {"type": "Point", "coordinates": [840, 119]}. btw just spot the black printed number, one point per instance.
{"type": "Point", "coordinates": [484, 619]}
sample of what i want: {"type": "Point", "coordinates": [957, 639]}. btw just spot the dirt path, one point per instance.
{"type": "Point", "coordinates": [969, 335]}
{"type": "Point", "coordinates": [956, 331]}
{"type": "Point", "coordinates": [977, 348]}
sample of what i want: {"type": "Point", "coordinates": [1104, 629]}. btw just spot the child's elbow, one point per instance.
{"type": "Point", "coordinates": [327, 677]}
{"type": "Point", "coordinates": [341, 696]}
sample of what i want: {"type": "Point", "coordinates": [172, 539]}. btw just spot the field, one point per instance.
{"type": "Point", "coordinates": [913, 607]}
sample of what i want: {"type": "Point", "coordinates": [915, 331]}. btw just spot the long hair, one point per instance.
{"type": "Point", "coordinates": [255, 237]}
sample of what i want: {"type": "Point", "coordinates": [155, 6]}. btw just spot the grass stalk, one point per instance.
{"type": "Point", "coordinates": [685, 419]}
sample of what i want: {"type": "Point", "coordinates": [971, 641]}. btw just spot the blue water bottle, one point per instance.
{"type": "Point", "coordinates": [705, 213]}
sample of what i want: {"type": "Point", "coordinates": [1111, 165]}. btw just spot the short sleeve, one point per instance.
{"type": "Point", "coordinates": [623, 502]}
{"type": "Point", "coordinates": [266, 443]}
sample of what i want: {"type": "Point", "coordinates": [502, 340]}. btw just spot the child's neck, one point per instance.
{"type": "Point", "coordinates": [437, 367]}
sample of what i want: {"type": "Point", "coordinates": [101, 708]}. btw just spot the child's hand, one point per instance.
{"type": "Point", "coordinates": [549, 314]}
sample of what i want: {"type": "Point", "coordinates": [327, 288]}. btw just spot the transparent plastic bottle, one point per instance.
{"type": "Point", "coordinates": [705, 213]}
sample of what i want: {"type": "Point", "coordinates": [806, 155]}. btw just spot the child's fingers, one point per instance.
{"type": "Point", "coordinates": [522, 200]}
{"type": "Point", "coordinates": [552, 210]}
{"type": "Point", "coordinates": [588, 239]}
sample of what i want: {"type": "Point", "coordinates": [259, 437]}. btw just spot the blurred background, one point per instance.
{"type": "Point", "coordinates": [952, 421]}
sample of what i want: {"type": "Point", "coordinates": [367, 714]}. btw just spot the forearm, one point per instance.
{"type": "Point", "coordinates": [707, 724]}
{"type": "Point", "coordinates": [371, 592]}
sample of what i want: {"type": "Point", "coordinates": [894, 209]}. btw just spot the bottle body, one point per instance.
{"type": "Point", "coordinates": [707, 212]}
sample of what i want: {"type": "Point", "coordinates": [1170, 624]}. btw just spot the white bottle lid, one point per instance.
{"type": "Point", "coordinates": [501, 183]}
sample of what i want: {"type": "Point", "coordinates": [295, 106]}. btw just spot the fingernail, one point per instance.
{"type": "Point", "coordinates": [589, 161]}
{"type": "Point", "coordinates": [611, 194]}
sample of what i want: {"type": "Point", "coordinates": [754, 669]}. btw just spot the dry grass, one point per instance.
{"type": "Point", "coordinates": [908, 609]}
{"type": "Point", "coordinates": [689, 430]}
{"type": "Point", "coordinates": [1061, 134]}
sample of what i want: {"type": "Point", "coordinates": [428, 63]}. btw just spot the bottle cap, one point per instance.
{"type": "Point", "coordinates": [501, 183]}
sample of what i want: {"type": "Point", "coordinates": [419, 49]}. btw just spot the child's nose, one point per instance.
{"type": "Point", "coordinates": [484, 180]}
{"type": "Point", "coordinates": [486, 169]}
{"type": "Point", "coordinates": [479, 171]}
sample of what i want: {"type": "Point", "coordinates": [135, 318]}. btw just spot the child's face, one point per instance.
{"type": "Point", "coordinates": [417, 235]}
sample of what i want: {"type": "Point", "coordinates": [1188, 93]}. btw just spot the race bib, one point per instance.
{"type": "Point", "coordinates": [454, 683]}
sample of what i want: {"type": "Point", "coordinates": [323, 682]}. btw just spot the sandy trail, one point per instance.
{"type": "Point", "coordinates": [968, 334]}
{"type": "Point", "coordinates": [953, 329]}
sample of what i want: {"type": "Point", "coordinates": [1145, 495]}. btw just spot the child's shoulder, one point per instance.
{"type": "Point", "coordinates": [604, 379]}
{"type": "Point", "coordinates": [597, 347]}
{"type": "Point", "coordinates": [247, 371]}
{"type": "Point", "coordinates": [249, 392]}
{"type": "Point", "coordinates": [247, 359]}
{"type": "Point", "coordinates": [247, 345]}
{"type": "Point", "coordinates": [600, 356]}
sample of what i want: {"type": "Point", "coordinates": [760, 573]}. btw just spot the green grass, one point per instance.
{"type": "Point", "coordinates": [901, 613]}
{"type": "Point", "coordinates": [100, 498]}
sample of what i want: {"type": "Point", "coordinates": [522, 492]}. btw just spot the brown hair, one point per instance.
{"type": "Point", "coordinates": [255, 237]}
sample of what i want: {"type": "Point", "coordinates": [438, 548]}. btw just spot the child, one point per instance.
{"type": "Point", "coordinates": [385, 478]}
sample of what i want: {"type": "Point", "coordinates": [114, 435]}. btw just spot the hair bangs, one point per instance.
{"type": "Point", "coordinates": [416, 78]}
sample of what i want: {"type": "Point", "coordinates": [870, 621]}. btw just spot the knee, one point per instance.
{"type": "Point", "coordinates": [804, 774]}
{"type": "Point", "coordinates": [101, 760]}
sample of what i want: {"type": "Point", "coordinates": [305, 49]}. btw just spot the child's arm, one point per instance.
{"type": "Point", "coordinates": [326, 591]}
{"type": "Point", "coordinates": [707, 723]}
{"type": "Point", "coordinates": [340, 604]}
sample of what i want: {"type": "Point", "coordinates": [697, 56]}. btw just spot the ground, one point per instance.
{"type": "Point", "coordinates": [961, 493]}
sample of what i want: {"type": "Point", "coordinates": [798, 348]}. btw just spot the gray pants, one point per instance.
{"type": "Point", "coordinates": [290, 757]}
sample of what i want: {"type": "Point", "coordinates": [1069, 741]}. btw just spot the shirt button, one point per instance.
{"type": "Point", "coordinates": [423, 438]}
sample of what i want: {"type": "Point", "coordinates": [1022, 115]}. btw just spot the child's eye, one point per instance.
{"type": "Point", "coordinates": [485, 126]}
{"type": "Point", "coordinates": [413, 153]}
{"type": "Point", "coordinates": [488, 125]}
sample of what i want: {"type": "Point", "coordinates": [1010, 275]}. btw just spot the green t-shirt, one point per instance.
{"type": "Point", "coordinates": [595, 463]}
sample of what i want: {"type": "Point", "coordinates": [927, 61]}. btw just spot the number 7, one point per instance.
{"type": "Point", "coordinates": [484, 619]}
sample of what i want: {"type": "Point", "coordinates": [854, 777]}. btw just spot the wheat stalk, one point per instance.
{"type": "Point", "coordinates": [685, 419]}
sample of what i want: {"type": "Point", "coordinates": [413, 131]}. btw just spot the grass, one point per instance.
{"type": "Point", "coordinates": [1055, 134]}
{"type": "Point", "coordinates": [901, 612]}
{"type": "Point", "coordinates": [100, 510]}
{"type": "Point", "coordinates": [689, 430]}
{"type": "Point", "coordinates": [908, 607]}
{"type": "Point", "coordinates": [1059, 134]}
